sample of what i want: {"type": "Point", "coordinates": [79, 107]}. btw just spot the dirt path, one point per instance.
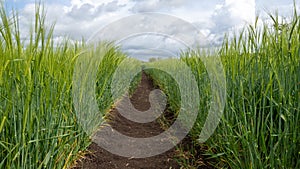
{"type": "Point", "coordinates": [102, 159]}
{"type": "Point", "coordinates": [106, 160]}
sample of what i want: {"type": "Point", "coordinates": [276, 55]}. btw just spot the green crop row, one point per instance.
{"type": "Point", "coordinates": [261, 122]}
{"type": "Point", "coordinates": [38, 123]}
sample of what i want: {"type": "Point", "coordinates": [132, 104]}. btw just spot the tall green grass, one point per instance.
{"type": "Point", "coordinates": [261, 123]}
{"type": "Point", "coordinates": [38, 125]}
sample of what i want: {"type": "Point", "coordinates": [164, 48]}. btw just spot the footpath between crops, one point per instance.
{"type": "Point", "coordinates": [99, 158]}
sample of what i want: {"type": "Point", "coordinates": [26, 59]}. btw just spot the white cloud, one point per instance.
{"type": "Point", "coordinates": [82, 18]}
{"type": "Point", "coordinates": [94, 2]}
{"type": "Point", "coordinates": [233, 13]}
{"type": "Point", "coordinates": [151, 46]}
{"type": "Point", "coordinates": [157, 5]}
{"type": "Point", "coordinates": [78, 19]}
{"type": "Point", "coordinates": [83, 12]}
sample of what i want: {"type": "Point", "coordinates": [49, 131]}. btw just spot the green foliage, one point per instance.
{"type": "Point", "coordinates": [260, 128]}
{"type": "Point", "coordinates": [38, 125]}
{"type": "Point", "coordinates": [163, 79]}
{"type": "Point", "coordinates": [261, 123]}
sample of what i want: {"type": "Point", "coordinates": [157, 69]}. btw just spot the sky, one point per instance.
{"type": "Point", "coordinates": [77, 19]}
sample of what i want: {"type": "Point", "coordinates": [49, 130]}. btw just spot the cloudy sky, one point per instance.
{"type": "Point", "coordinates": [77, 19]}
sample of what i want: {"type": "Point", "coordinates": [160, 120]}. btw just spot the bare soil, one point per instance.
{"type": "Point", "coordinates": [99, 158]}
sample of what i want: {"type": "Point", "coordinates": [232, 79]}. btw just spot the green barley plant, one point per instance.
{"type": "Point", "coordinates": [261, 123]}
{"type": "Point", "coordinates": [260, 128]}
{"type": "Point", "coordinates": [38, 125]}
{"type": "Point", "coordinates": [162, 79]}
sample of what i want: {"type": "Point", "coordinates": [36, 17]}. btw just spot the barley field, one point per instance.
{"type": "Point", "coordinates": [259, 128]}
